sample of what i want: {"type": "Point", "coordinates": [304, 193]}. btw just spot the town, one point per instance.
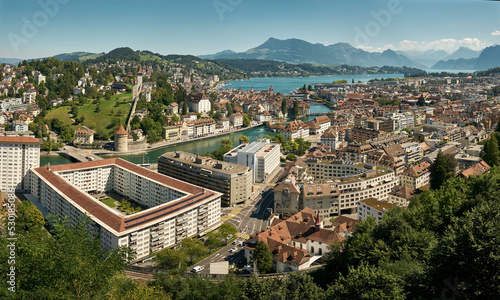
{"type": "Point", "coordinates": [311, 180]}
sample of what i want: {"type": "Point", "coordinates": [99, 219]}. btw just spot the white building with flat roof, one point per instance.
{"type": "Point", "coordinates": [18, 154]}
{"type": "Point", "coordinates": [262, 157]}
{"type": "Point", "coordinates": [172, 209]}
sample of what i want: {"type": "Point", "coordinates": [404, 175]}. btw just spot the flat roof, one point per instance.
{"type": "Point", "coordinates": [253, 147]}
{"type": "Point", "coordinates": [113, 220]}
{"type": "Point", "coordinates": [207, 162]}
{"type": "Point", "coordinates": [377, 204]}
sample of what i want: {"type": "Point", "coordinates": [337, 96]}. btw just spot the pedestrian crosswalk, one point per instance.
{"type": "Point", "coordinates": [245, 236]}
{"type": "Point", "coordinates": [230, 215]}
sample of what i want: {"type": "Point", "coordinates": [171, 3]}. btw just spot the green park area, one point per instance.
{"type": "Point", "coordinates": [104, 116]}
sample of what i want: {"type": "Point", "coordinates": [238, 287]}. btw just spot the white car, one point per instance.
{"type": "Point", "coordinates": [234, 249]}
{"type": "Point", "coordinates": [198, 269]}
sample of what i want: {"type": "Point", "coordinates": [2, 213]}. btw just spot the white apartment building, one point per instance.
{"type": "Point", "coordinates": [330, 138]}
{"type": "Point", "coordinates": [29, 97]}
{"type": "Point", "coordinates": [373, 208]}
{"type": "Point", "coordinates": [199, 103]}
{"type": "Point", "coordinates": [413, 151]}
{"type": "Point", "coordinates": [261, 156]}
{"type": "Point", "coordinates": [324, 122]}
{"type": "Point", "coordinates": [39, 78]}
{"type": "Point", "coordinates": [347, 183]}
{"type": "Point", "coordinates": [173, 209]}
{"type": "Point", "coordinates": [295, 129]}
{"type": "Point", "coordinates": [17, 155]}
{"type": "Point", "coordinates": [401, 120]}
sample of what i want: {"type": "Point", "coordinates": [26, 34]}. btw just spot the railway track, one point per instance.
{"type": "Point", "coordinates": [138, 275]}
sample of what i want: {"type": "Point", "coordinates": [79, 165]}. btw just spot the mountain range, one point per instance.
{"type": "Point", "coordinates": [486, 59]}
{"type": "Point", "coordinates": [296, 51]}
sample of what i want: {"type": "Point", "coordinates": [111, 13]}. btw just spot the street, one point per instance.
{"type": "Point", "coordinates": [248, 220]}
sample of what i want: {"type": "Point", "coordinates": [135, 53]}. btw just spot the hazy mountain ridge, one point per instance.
{"type": "Point", "coordinates": [488, 58]}
{"type": "Point", "coordinates": [298, 51]}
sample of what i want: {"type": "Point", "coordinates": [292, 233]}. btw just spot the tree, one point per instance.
{"type": "Point", "coordinates": [193, 248]}
{"type": "Point", "coordinates": [492, 154]}
{"type": "Point", "coordinates": [467, 256]}
{"type": "Point", "coordinates": [184, 108]}
{"type": "Point", "coordinates": [174, 118]}
{"type": "Point", "coordinates": [29, 217]}
{"type": "Point", "coordinates": [229, 109]}
{"type": "Point", "coordinates": [421, 101]}
{"type": "Point", "coordinates": [244, 139]}
{"type": "Point", "coordinates": [284, 106]}
{"type": "Point", "coordinates": [70, 263]}
{"type": "Point", "coordinates": [226, 143]}
{"type": "Point", "coordinates": [170, 258]}
{"type": "Point", "coordinates": [213, 240]}
{"type": "Point", "coordinates": [263, 257]}
{"type": "Point", "coordinates": [498, 126]}
{"type": "Point", "coordinates": [296, 108]}
{"type": "Point", "coordinates": [246, 120]}
{"type": "Point", "coordinates": [442, 169]}
{"type": "Point", "coordinates": [291, 157]}
{"type": "Point", "coordinates": [367, 282]}
{"type": "Point", "coordinates": [226, 230]}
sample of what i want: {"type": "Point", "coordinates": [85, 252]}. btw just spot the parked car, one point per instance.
{"type": "Point", "coordinates": [234, 249]}
{"type": "Point", "coordinates": [198, 269]}
{"type": "Point", "coordinates": [248, 268]}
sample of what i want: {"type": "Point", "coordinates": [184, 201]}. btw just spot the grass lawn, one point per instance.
{"type": "Point", "coordinates": [109, 113]}
{"type": "Point", "coordinates": [107, 120]}
{"type": "Point", "coordinates": [109, 202]}
{"type": "Point", "coordinates": [61, 113]}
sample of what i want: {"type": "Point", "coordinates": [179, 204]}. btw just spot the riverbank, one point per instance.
{"type": "Point", "coordinates": [162, 145]}
{"type": "Point", "coordinates": [198, 146]}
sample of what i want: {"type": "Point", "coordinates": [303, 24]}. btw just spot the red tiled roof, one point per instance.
{"type": "Point", "coordinates": [19, 139]}
{"type": "Point", "coordinates": [477, 169]}
{"type": "Point", "coordinates": [121, 130]}
{"type": "Point", "coordinates": [114, 221]}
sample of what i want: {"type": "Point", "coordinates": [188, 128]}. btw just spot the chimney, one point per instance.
{"type": "Point", "coordinates": [48, 166]}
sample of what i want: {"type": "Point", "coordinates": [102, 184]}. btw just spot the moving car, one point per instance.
{"type": "Point", "coordinates": [198, 269]}
{"type": "Point", "coordinates": [234, 249]}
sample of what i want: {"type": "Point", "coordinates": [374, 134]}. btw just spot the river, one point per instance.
{"type": "Point", "coordinates": [197, 147]}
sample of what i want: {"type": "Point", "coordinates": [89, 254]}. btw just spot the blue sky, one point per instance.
{"type": "Point", "coordinates": [209, 26]}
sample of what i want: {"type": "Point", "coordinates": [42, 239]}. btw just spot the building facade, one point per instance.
{"type": "Point", "coordinates": [18, 155]}
{"type": "Point", "coordinates": [260, 156]}
{"type": "Point", "coordinates": [173, 210]}
{"type": "Point", "coordinates": [83, 136]}
{"type": "Point", "coordinates": [233, 181]}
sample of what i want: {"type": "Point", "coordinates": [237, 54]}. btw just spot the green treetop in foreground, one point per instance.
{"type": "Point", "coordinates": [446, 242]}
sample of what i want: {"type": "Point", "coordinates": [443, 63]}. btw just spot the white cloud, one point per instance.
{"type": "Point", "coordinates": [448, 45]}
{"type": "Point", "coordinates": [377, 49]}
{"type": "Point", "coordinates": [495, 33]}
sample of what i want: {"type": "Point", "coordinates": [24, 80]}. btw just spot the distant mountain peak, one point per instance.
{"type": "Point", "coordinates": [297, 51]}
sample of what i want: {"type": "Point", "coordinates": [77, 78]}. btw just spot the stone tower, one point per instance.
{"type": "Point", "coordinates": [139, 78]}
{"type": "Point", "coordinates": [121, 139]}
